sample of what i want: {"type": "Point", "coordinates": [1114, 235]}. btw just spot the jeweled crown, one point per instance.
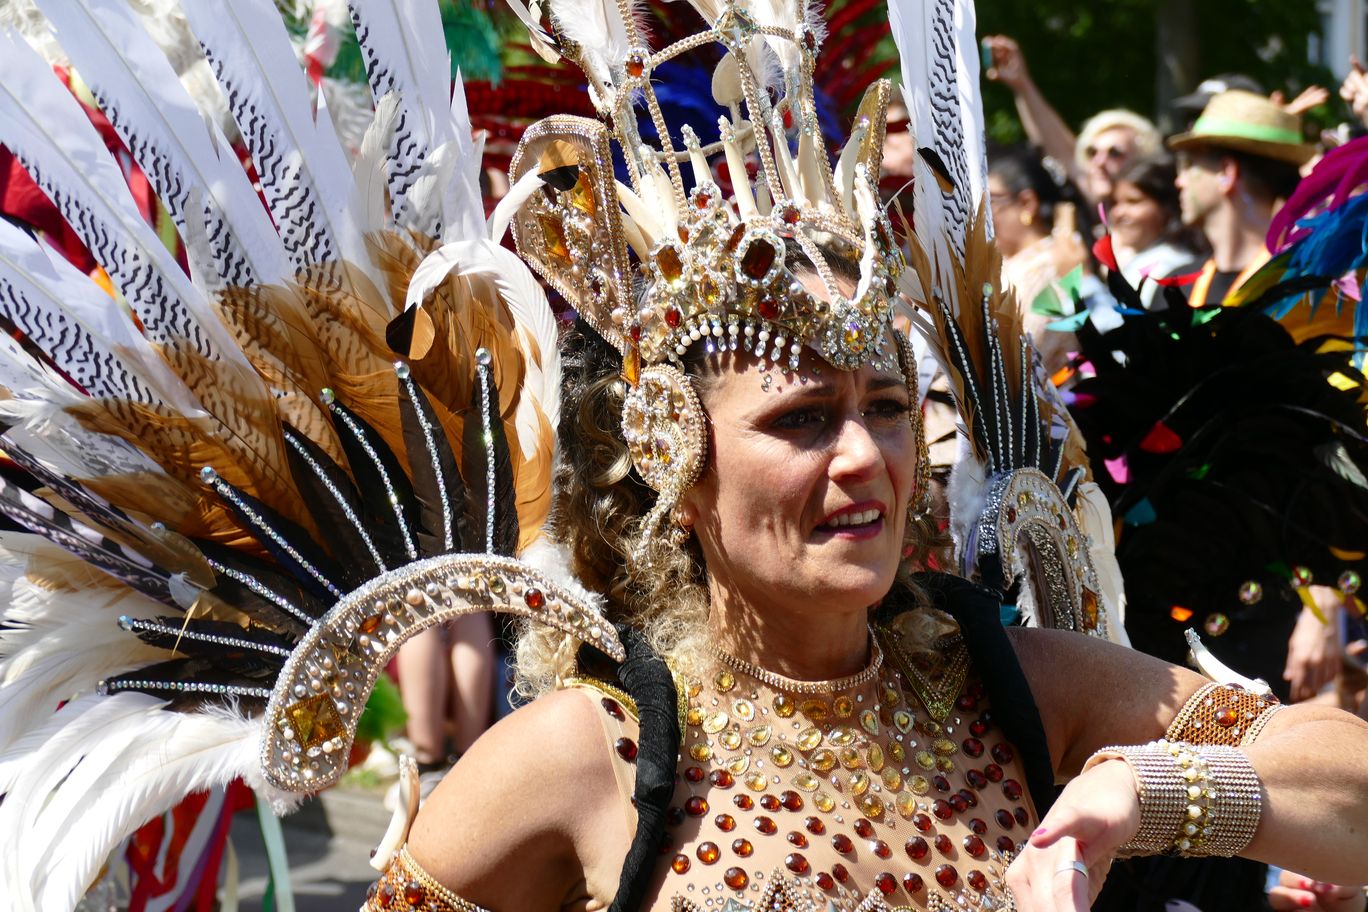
{"type": "Point", "coordinates": [717, 265]}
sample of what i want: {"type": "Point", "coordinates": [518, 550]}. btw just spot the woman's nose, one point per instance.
{"type": "Point", "coordinates": [857, 453]}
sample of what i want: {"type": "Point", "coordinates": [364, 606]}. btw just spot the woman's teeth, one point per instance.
{"type": "Point", "coordinates": [853, 519]}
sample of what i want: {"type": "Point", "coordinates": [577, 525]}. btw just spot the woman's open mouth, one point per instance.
{"type": "Point", "coordinates": [854, 523]}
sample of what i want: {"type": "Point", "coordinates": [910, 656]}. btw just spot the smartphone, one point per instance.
{"type": "Point", "coordinates": [986, 49]}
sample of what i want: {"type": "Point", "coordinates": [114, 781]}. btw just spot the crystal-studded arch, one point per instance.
{"type": "Point", "coordinates": [313, 711]}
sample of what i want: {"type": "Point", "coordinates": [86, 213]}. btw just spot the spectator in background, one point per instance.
{"type": "Point", "coordinates": [1189, 107]}
{"type": "Point", "coordinates": [1148, 236]}
{"type": "Point", "coordinates": [1108, 142]}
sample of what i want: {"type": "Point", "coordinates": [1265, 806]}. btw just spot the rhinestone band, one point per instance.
{"type": "Point", "coordinates": [1222, 714]}
{"type": "Point", "coordinates": [789, 685]}
{"type": "Point", "coordinates": [1194, 801]}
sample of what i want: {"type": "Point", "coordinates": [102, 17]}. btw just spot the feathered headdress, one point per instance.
{"type": "Point", "coordinates": [248, 485]}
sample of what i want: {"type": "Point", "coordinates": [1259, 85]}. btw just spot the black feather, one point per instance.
{"type": "Point", "coordinates": [261, 591]}
{"type": "Point", "coordinates": [475, 453]}
{"type": "Point", "coordinates": [437, 484]}
{"type": "Point", "coordinates": [335, 505]}
{"type": "Point", "coordinates": [378, 473]}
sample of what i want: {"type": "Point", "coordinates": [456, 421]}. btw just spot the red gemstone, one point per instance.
{"type": "Point", "coordinates": [978, 728]}
{"type": "Point", "coordinates": [941, 783]}
{"type": "Point", "coordinates": [825, 881]}
{"type": "Point", "coordinates": [613, 709]}
{"type": "Point", "coordinates": [916, 848]}
{"type": "Point", "coordinates": [977, 881]}
{"type": "Point", "coordinates": [958, 803]}
{"type": "Point", "coordinates": [1021, 816]}
{"type": "Point", "coordinates": [922, 822]}
{"type": "Point", "coordinates": [725, 822]}
{"type": "Point", "coordinates": [976, 778]}
{"type": "Point", "coordinates": [758, 259]}
{"type": "Point", "coordinates": [721, 778]}
{"type": "Point", "coordinates": [993, 772]}
{"type": "Point", "coordinates": [966, 703]}
{"type": "Point", "coordinates": [797, 864]}
{"type": "Point", "coordinates": [693, 773]}
{"type": "Point", "coordinates": [880, 848]}
{"type": "Point", "coordinates": [1003, 753]}
{"type": "Point", "coordinates": [842, 843]}
{"type": "Point", "coordinates": [770, 803]}
{"type": "Point", "coordinates": [626, 749]}
{"type": "Point", "coordinates": [1011, 514]}
{"type": "Point", "coordinates": [788, 118]}
{"type": "Point", "coordinates": [943, 844]}
{"type": "Point", "coordinates": [673, 317]}
{"type": "Point", "coordinates": [969, 797]}
{"type": "Point", "coordinates": [1004, 819]}
{"type": "Point", "coordinates": [680, 864]}
{"type": "Point", "coordinates": [736, 878]}
{"type": "Point", "coordinates": [942, 809]}
{"type": "Point", "coordinates": [414, 894]}
{"type": "Point", "coordinates": [789, 215]}
{"type": "Point", "coordinates": [743, 801]}
{"type": "Point", "coordinates": [385, 896]}
{"type": "Point", "coordinates": [913, 883]}
{"type": "Point", "coordinates": [534, 599]}
{"type": "Point", "coordinates": [635, 65]}
{"type": "Point", "coordinates": [947, 876]}
{"type": "Point", "coordinates": [864, 829]}
{"type": "Point", "coordinates": [1012, 789]}
{"type": "Point", "coordinates": [798, 839]}
{"type": "Point", "coordinates": [702, 198]}
{"type": "Point", "coordinates": [973, 747]}
{"type": "Point", "coordinates": [840, 872]}
{"type": "Point", "coordinates": [769, 308]}
{"type": "Point", "coordinates": [974, 846]}
{"type": "Point", "coordinates": [766, 826]}
{"type": "Point", "coordinates": [978, 826]}
{"type": "Point", "coordinates": [708, 852]}
{"type": "Point", "coordinates": [885, 883]}
{"type": "Point", "coordinates": [791, 800]}
{"type": "Point", "coordinates": [743, 847]}
{"type": "Point", "coordinates": [1227, 717]}
{"type": "Point", "coordinates": [815, 826]}
{"type": "Point", "coordinates": [737, 234]}
{"type": "Point", "coordinates": [696, 806]}
{"type": "Point", "coordinates": [634, 331]}
{"type": "Point", "coordinates": [1005, 844]}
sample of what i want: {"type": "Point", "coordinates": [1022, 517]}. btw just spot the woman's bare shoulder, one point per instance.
{"type": "Point", "coordinates": [527, 796]}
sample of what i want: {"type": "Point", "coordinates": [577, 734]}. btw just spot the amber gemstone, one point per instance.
{"type": "Point", "coordinates": [880, 848]}
{"type": "Point", "coordinates": [797, 863]}
{"type": "Point", "coordinates": [743, 847]}
{"type": "Point", "coordinates": [1012, 789]}
{"type": "Point", "coordinates": [315, 720]}
{"type": "Point", "coordinates": [993, 772]}
{"type": "Point", "coordinates": [680, 863]}
{"type": "Point", "coordinates": [1003, 753]}
{"type": "Point", "coordinates": [414, 894]}
{"type": "Point", "coordinates": [977, 881]}
{"type": "Point", "coordinates": [735, 878]}
{"type": "Point", "coordinates": [825, 881]}
{"type": "Point", "coordinates": [922, 822]}
{"type": "Point", "coordinates": [912, 883]}
{"type": "Point", "coordinates": [978, 826]}
{"type": "Point", "coordinates": [958, 803]}
{"type": "Point", "coordinates": [839, 871]}
{"type": "Point", "coordinates": [758, 259]}
{"type": "Point", "coordinates": [371, 623]}
{"type": "Point", "coordinates": [1227, 717]}
{"type": "Point", "coordinates": [791, 800]}
{"type": "Point", "coordinates": [708, 852]}
{"type": "Point", "coordinates": [941, 783]}
{"type": "Point", "coordinates": [886, 883]}
{"type": "Point", "coordinates": [696, 806]}
{"type": "Point", "coordinates": [978, 728]}
{"type": "Point", "coordinates": [743, 801]}
{"type": "Point", "coordinates": [842, 843]}
{"type": "Point", "coordinates": [613, 709]}
{"type": "Point", "coordinates": [721, 778]}
{"type": "Point", "coordinates": [947, 876]}
{"type": "Point", "coordinates": [974, 846]}
{"type": "Point", "coordinates": [942, 809]}
{"type": "Point", "coordinates": [702, 198]}
{"type": "Point", "coordinates": [1021, 816]}
{"type": "Point", "coordinates": [973, 747]}
{"type": "Point", "coordinates": [737, 234]}
{"type": "Point", "coordinates": [626, 748]}
{"type": "Point", "coordinates": [674, 816]}
{"type": "Point", "coordinates": [789, 215]}
{"type": "Point", "coordinates": [770, 803]}
{"type": "Point", "coordinates": [693, 773]}
{"type": "Point", "coordinates": [815, 826]}
{"type": "Point", "coordinates": [916, 848]}
{"type": "Point", "coordinates": [798, 839]}
{"type": "Point", "coordinates": [534, 599]}
{"type": "Point", "coordinates": [725, 822]}
{"type": "Point", "coordinates": [553, 239]}
{"type": "Point", "coordinates": [943, 844]}
{"type": "Point", "coordinates": [1005, 844]}
{"type": "Point", "coordinates": [766, 826]}
{"type": "Point", "coordinates": [673, 317]}
{"type": "Point", "coordinates": [864, 829]}
{"type": "Point", "coordinates": [635, 65]}
{"type": "Point", "coordinates": [976, 778]}
{"type": "Point", "coordinates": [385, 896]}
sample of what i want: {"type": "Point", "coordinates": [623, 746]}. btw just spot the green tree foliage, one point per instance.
{"type": "Point", "coordinates": [1087, 55]}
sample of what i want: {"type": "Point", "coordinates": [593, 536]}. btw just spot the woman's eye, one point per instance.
{"type": "Point", "coordinates": [888, 409]}
{"type": "Point", "coordinates": [799, 419]}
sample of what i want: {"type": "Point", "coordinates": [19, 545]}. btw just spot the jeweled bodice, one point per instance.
{"type": "Point", "coordinates": [860, 798]}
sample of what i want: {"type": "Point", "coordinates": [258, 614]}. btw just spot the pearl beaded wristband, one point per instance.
{"type": "Point", "coordinates": [1194, 801]}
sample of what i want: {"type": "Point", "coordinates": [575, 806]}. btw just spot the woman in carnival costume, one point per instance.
{"type": "Point", "coordinates": [346, 429]}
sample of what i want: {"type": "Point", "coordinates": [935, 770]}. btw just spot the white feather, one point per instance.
{"type": "Point", "coordinates": [368, 170]}
{"type": "Point", "coordinates": [462, 202]}
{"type": "Point", "coordinates": [598, 28]}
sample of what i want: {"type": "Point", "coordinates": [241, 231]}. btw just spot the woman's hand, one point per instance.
{"type": "Point", "coordinates": [1313, 656]}
{"type": "Point", "coordinates": [1095, 814]}
{"type": "Point", "coordinates": [1009, 64]}
{"type": "Point", "coordinates": [1296, 892]}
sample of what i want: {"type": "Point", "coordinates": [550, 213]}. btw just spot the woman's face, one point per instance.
{"type": "Point", "coordinates": [803, 504]}
{"type": "Point", "coordinates": [1137, 220]}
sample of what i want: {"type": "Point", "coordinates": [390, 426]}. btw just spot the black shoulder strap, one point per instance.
{"type": "Point", "coordinates": [647, 680]}
{"type": "Point", "coordinates": [977, 611]}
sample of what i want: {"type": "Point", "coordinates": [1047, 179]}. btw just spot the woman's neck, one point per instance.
{"type": "Point", "coordinates": [800, 643]}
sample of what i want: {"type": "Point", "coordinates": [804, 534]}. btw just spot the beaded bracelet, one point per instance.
{"type": "Point", "coordinates": [1194, 801]}
{"type": "Point", "coordinates": [1223, 714]}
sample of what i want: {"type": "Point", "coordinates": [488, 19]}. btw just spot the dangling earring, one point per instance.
{"type": "Point", "coordinates": [1027, 219]}
{"type": "Point", "coordinates": [679, 530]}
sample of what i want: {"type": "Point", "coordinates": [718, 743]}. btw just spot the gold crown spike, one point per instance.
{"type": "Point", "coordinates": [727, 270]}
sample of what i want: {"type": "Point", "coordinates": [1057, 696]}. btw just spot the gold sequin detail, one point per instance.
{"type": "Point", "coordinates": [824, 802]}
{"type": "Point", "coordinates": [700, 751]}
{"type": "Point", "coordinates": [783, 705]}
{"type": "Point", "coordinates": [859, 783]}
{"type": "Point", "coordinates": [814, 709]}
{"type": "Point", "coordinates": [892, 779]}
{"type": "Point", "coordinates": [724, 681]}
{"type": "Point", "coordinates": [823, 760]}
{"type": "Point", "coordinates": [744, 710]}
{"type": "Point", "coordinates": [809, 738]}
{"type": "Point", "coordinates": [875, 755]}
{"type": "Point", "coordinates": [756, 782]}
{"type": "Point", "coordinates": [782, 756]}
{"type": "Point", "coordinates": [759, 736]}
{"type": "Point", "coordinates": [730, 739]}
{"type": "Point", "coordinates": [869, 721]}
{"type": "Point", "coordinates": [872, 806]}
{"type": "Point", "coordinates": [843, 706]}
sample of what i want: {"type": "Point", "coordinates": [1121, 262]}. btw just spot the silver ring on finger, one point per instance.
{"type": "Point", "coordinates": [1073, 867]}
